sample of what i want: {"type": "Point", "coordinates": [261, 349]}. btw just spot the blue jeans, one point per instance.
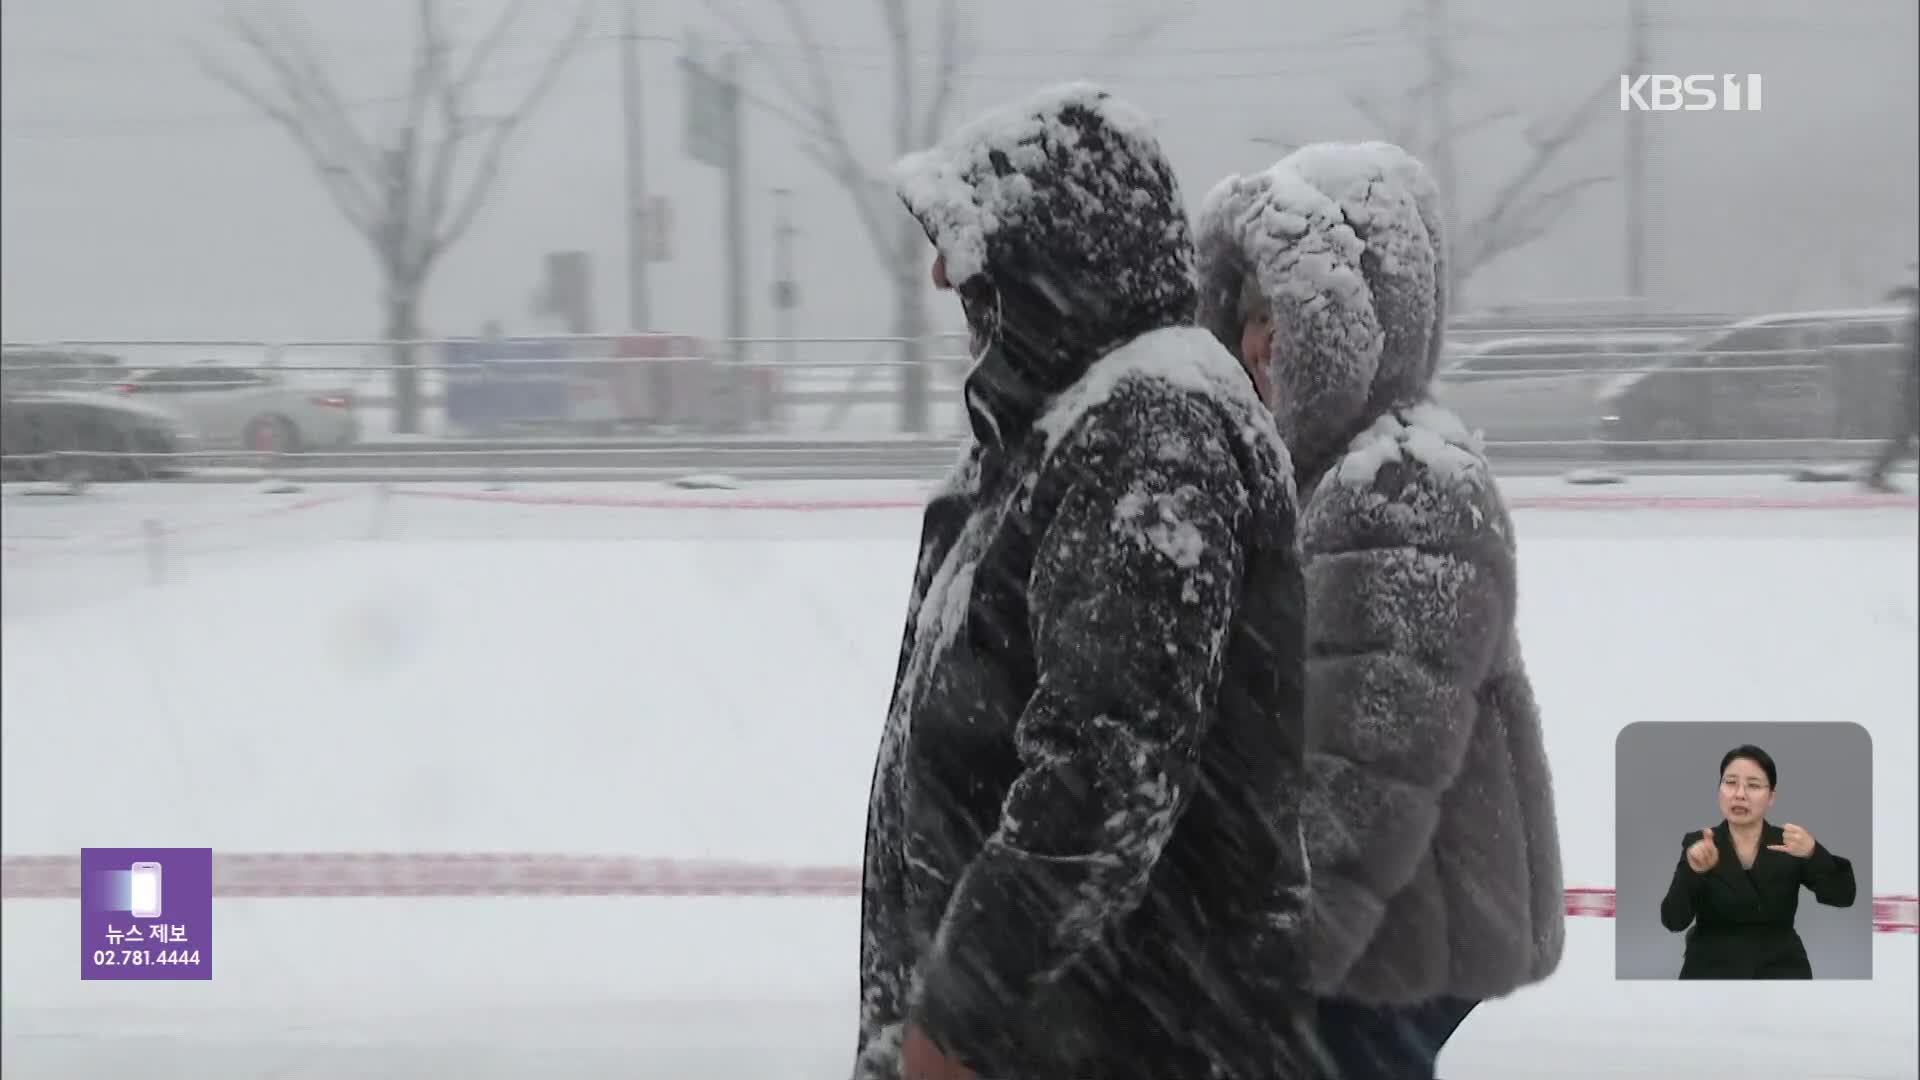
{"type": "Point", "coordinates": [1379, 1042]}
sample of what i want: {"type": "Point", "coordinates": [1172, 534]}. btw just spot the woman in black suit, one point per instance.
{"type": "Point", "coordinates": [1738, 883]}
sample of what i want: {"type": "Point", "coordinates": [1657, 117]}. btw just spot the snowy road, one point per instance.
{"type": "Point", "coordinates": [340, 671]}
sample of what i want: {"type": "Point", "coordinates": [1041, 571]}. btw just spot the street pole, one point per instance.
{"type": "Point", "coordinates": [736, 209]}
{"type": "Point", "coordinates": [785, 288]}
{"type": "Point", "coordinates": [1440, 75]}
{"type": "Point", "coordinates": [1638, 63]}
{"type": "Point", "coordinates": [639, 225]}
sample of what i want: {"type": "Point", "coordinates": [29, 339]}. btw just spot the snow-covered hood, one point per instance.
{"type": "Point", "coordinates": [1063, 231]}
{"type": "Point", "coordinates": [1343, 241]}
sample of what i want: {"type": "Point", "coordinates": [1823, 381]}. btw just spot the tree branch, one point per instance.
{"type": "Point", "coordinates": [1129, 37]}
{"type": "Point", "coordinates": [1574, 123]}
{"type": "Point", "coordinates": [452, 91]}
{"type": "Point", "coordinates": [825, 134]}
{"type": "Point", "coordinates": [482, 54]}
{"type": "Point", "coordinates": [1513, 217]}
{"type": "Point", "coordinates": [292, 113]}
{"type": "Point", "coordinates": [1517, 214]}
{"type": "Point", "coordinates": [1395, 129]}
{"type": "Point", "coordinates": [801, 125]}
{"type": "Point", "coordinates": [952, 55]}
{"type": "Point", "coordinates": [449, 94]}
{"type": "Point", "coordinates": [403, 241]}
{"type": "Point", "coordinates": [1547, 147]}
{"type": "Point", "coordinates": [1485, 120]}
{"type": "Point", "coordinates": [825, 102]}
{"type": "Point", "coordinates": [448, 231]}
{"type": "Point", "coordinates": [783, 82]}
{"type": "Point", "coordinates": [1392, 126]}
{"type": "Point", "coordinates": [302, 73]}
{"type": "Point", "coordinates": [893, 13]}
{"type": "Point", "coordinates": [1519, 222]}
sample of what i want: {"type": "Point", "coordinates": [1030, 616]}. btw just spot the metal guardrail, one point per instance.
{"type": "Point", "coordinates": [840, 385]}
{"type": "Point", "coordinates": [892, 459]}
{"type": "Point", "coordinates": [483, 386]}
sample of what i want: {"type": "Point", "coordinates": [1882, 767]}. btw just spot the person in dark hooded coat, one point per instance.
{"type": "Point", "coordinates": [1429, 818]}
{"type": "Point", "coordinates": [1083, 853]}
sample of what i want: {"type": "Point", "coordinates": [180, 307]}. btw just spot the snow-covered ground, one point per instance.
{"type": "Point", "coordinates": [338, 670]}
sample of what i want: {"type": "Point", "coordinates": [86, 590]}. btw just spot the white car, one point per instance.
{"type": "Point", "coordinates": [1543, 388]}
{"type": "Point", "coordinates": [227, 406]}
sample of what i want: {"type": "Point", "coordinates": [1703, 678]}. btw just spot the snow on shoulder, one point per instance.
{"type": "Point", "coordinates": [1416, 478]}
{"type": "Point", "coordinates": [1425, 435]}
{"type": "Point", "coordinates": [964, 195]}
{"type": "Point", "coordinates": [1185, 357]}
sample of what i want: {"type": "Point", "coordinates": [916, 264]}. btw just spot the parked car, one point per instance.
{"type": "Point", "coordinates": [1541, 388]}
{"type": "Point", "coordinates": [1794, 375]}
{"type": "Point", "coordinates": [44, 436]}
{"type": "Point", "coordinates": [34, 370]}
{"type": "Point", "coordinates": [227, 406]}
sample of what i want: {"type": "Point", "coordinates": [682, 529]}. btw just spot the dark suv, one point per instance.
{"type": "Point", "coordinates": [1804, 375]}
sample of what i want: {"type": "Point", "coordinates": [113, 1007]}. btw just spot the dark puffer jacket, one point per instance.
{"type": "Point", "coordinates": [1083, 852]}
{"type": "Point", "coordinates": [1430, 817]}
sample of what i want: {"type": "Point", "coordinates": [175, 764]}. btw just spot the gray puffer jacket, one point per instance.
{"type": "Point", "coordinates": [1430, 814]}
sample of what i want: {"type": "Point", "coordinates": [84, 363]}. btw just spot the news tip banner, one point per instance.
{"type": "Point", "coordinates": [145, 913]}
{"type": "Point", "coordinates": [367, 874]}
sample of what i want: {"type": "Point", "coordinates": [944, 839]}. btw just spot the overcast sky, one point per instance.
{"type": "Point", "coordinates": [143, 200]}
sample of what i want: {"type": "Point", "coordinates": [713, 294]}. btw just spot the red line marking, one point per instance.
{"type": "Point", "coordinates": [1715, 502]}
{"type": "Point", "coordinates": [287, 875]}
{"type": "Point", "coordinates": [103, 541]}
{"type": "Point", "coordinates": [1594, 502]}
{"type": "Point", "coordinates": [635, 502]}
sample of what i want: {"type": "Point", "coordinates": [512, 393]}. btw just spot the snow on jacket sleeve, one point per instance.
{"type": "Point", "coordinates": [886, 956]}
{"type": "Point", "coordinates": [886, 946]}
{"type": "Point", "coordinates": [1410, 576]}
{"type": "Point", "coordinates": [1133, 586]}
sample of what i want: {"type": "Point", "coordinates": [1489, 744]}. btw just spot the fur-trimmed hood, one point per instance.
{"type": "Point", "coordinates": [1343, 240]}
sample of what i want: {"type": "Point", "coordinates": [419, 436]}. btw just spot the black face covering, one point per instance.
{"type": "Point", "coordinates": [981, 305]}
{"type": "Point", "coordinates": [1034, 335]}
{"type": "Point", "coordinates": [1003, 398]}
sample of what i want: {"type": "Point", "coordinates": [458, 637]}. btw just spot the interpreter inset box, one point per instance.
{"type": "Point", "coordinates": [1743, 851]}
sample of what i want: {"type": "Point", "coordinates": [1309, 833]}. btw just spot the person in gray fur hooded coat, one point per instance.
{"type": "Point", "coordinates": [1083, 850]}
{"type": "Point", "coordinates": [1429, 817]}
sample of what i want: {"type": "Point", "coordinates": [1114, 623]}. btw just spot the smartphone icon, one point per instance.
{"type": "Point", "coordinates": [146, 890]}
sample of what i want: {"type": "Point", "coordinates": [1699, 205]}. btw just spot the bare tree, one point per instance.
{"type": "Point", "coordinates": [1525, 204]}
{"type": "Point", "coordinates": [925, 67]}
{"type": "Point", "coordinates": [1137, 29]}
{"type": "Point", "coordinates": [413, 188]}
{"type": "Point", "coordinates": [923, 82]}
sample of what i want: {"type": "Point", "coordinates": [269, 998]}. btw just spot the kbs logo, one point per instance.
{"type": "Point", "coordinates": [1689, 93]}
